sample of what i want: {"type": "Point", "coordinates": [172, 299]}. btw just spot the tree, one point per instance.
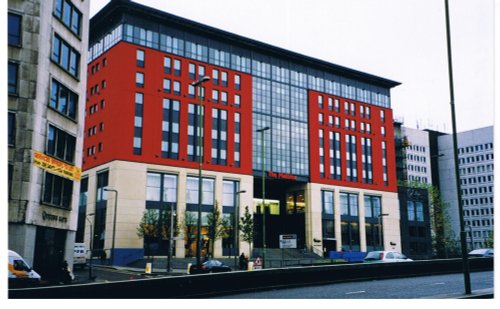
{"type": "Point", "coordinates": [217, 227]}
{"type": "Point", "coordinates": [246, 228]}
{"type": "Point", "coordinates": [155, 225]}
{"type": "Point", "coordinates": [444, 240]}
{"type": "Point", "coordinates": [190, 230]}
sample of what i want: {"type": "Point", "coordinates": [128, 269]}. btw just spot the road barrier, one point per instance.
{"type": "Point", "coordinates": [207, 285]}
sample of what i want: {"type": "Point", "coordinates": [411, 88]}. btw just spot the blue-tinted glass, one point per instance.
{"type": "Point", "coordinates": [58, 8]}
{"type": "Point", "coordinates": [54, 94]}
{"type": "Point", "coordinates": [56, 48]}
{"type": "Point", "coordinates": [72, 105]}
{"type": "Point", "coordinates": [14, 29]}
{"type": "Point", "coordinates": [75, 22]}
{"type": "Point", "coordinates": [67, 13]}
{"type": "Point", "coordinates": [63, 100]}
{"type": "Point", "coordinates": [64, 61]}
{"type": "Point", "coordinates": [51, 140]}
{"type": "Point", "coordinates": [13, 78]}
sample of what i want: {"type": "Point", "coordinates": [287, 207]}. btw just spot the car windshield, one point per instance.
{"type": "Point", "coordinates": [374, 255]}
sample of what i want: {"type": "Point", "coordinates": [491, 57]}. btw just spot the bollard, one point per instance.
{"type": "Point", "coordinates": [189, 267]}
{"type": "Point", "coordinates": [148, 268]}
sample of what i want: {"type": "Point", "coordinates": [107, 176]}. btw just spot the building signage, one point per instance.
{"type": "Point", "coordinates": [51, 217]}
{"type": "Point", "coordinates": [281, 176]}
{"type": "Point", "coordinates": [288, 241]}
{"type": "Point", "coordinates": [56, 167]}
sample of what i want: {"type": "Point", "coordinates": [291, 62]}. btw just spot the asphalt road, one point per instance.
{"type": "Point", "coordinates": [439, 286]}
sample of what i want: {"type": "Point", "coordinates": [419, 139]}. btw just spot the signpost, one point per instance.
{"type": "Point", "coordinates": [288, 241]}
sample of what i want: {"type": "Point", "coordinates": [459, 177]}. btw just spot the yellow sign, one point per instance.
{"type": "Point", "coordinates": [56, 167]}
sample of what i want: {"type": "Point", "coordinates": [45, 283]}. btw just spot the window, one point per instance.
{"type": "Point", "coordinates": [14, 29]}
{"type": "Point", "coordinates": [69, 15]}
{"type": "Point", "coordinates": [65, 56]}
{"type": "Point", "coordinates": [13, 72]}
{"type": "Point", "coordinates": [161, 188]}
{"type": "Point", "coordinates": [177, 67]}
{"type": "Point", "coordinates": [170, 129]}
{"type": "Point", "coordinates": [57, 190]}
{"type": "Point", "coordinates": [207, 191]}
{"type": "Point", "coordinates": [215, 76]}
{"type": "Point", "coordinates": [60, 144]}
{"type": "Point", "coordinates": [137, 141]}
{"type": "Point", "coordinates": [177, 87]}
{"type": "Point", "coordinates": [237, 82]}
{"type": "Point", "coordinates": [327, 202]}
{"type": "Point", "coordinates": [348, 204]}
{"type": "Point", "coordinates": [166, 85]}
{"type": "Point", "coordinates": [139, 79]}
{"type": "Point", "coordinates": [224, 79]}
{"type": "Point", "coordinates": [11, 140]}
{"type": "Point", "coordinates": [63, 100]}
{"type": "Point", "coordinates": [219, 136]}
{"type": "Point", "coordinates": [192, 71]}
{"type": "Point", "coordinates": [139, 58]}
{"type": "Point", "coordinates": [167, 65]}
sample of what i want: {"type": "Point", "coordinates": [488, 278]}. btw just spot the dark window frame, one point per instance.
{"type": "Point", "coordinates": [55, 102]}
{"type": "Point", "coordinates": [60, 14]}
{"type": "Point", "coordinates": [11, 83]}
{"type": "Point", "coordinates": [15, 35]}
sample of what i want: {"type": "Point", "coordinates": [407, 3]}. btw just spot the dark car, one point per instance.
{"type": "Point", "coordinates": [210, 266]}
{"type": "Point", "coordinates": [486, 252]}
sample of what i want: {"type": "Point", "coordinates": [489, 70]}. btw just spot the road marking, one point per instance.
{"type": "Point", "coordinates": [355, 292]}
{"type": "Point", "coordinates": [438, 283]}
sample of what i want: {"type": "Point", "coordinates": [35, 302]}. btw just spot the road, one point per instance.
{"type": "Point", "coordinates": [439, 286]}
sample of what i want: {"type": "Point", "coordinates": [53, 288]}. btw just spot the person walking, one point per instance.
{"type": "Point", "coordinates": [243, 261]}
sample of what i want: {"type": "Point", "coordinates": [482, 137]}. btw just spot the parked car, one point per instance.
{"type": "Point", "coordinates": [20, 273]}
{"type": "Point", "coordinates": [385, 257]}
{"type": "Point", "coordinates": [210, 266]}
{"type": "Point", "coordinates": [485, 252]}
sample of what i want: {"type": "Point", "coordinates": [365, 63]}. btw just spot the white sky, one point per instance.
{"type": "Point", "coordinates": [400, 40]}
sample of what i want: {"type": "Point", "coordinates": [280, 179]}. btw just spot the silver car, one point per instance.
{"type": "Point", "coordinates": [385, 257]}
{"type": "Point", "coordinates": [486, 252]}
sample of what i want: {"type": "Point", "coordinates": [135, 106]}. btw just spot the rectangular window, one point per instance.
{"type": "Point", "coordinates": [65, 56]}
{"type": "Point", "coordinates": [13, 76]}
{"type": "Point", "coordinates": [57, 191]}
{"type": "Point", "coordinates": [11, 140]}
{"type": "Point", "coordinates": [60, 144]}
{"type": "Point", "coordinates": [138, 120]}
{"type": "Point", "coordinates": [69, 15]}
{"type": "Point", "coordinates": [192, 71]}
{"type": "Point", "coordinates": [207, 191]}
{"type": "Point", "coordinates": [193, 132]}
{"type": "Point", "coordinates": [161, 188]}
{"type": "Point", "coordinates": [139, 58]}
{"type": "Point", "coordinates": [63, 100]}
{"type": "Point", "coordinates": [167, 65]}
{"type": "Point", "coordinates": [219, 136]}
{"type": "Point", "coordinates": [237, 82]}
{"type": "Point", "coordinates": [139, 79]}
{"type": "Point", "coordinates": [177, 67]}
{"type": "Point", "coordinates": [14, 29]}
{"type": "Point", "coordinates": [223, 77]}
{"type": "Point", "coordinates": [237, 142]}
{"type": "Point", "coordinates": [170, 129]}
{"type": "Point", "coordinates": [215, 76]}
{"type": "Point", "coordinates": [327, 202]}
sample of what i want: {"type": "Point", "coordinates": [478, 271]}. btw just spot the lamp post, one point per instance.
{"type": "Point", "coordinates": [198, 84]}
{"type": "Point", "coordinates": [380, 229]}
{"type": "Point", "coordinates": [91, 243]}
{"type": "Point", "coordinates": [471, 238]}
{"type": "Point", "coordinates": [263, 208]}
{"type": "Point", "coordinates": [235, 226]}
{"type": "Point", "coordinates": [112, 258]}
{"type": "Point", "coordinates": [171, 242]}
{"type": "Point", "coordinates": [463, 241]}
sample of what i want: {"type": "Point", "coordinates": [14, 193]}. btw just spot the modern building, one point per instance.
{"type": "Point", "coordinates": [47, 48]}
{"type": "Point", "coordinates": [311, 140]}
{"type": "Point", "coordinates": [476, 169]}
{"type": "Point", "coordinates": [414, 177]}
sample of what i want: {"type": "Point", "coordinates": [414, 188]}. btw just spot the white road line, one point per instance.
{"type": "Point", "coordinates": [355, 292]}
{"type": "Point", "coordinates": [438, 283]}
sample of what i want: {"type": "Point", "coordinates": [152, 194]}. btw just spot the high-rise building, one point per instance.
{"type": "Point", "coordinates": [315, 137]}
{"type": "Point", "coordinates": [47, 49]}
{"type": "Point", "coordinates": [476, 169]}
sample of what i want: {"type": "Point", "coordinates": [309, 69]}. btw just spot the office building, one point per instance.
{"type": "Point", "coordinates": [318, 137]}
{"type": "Point", "coordinates": [47, 49]}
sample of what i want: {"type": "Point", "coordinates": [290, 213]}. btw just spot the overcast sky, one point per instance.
{"type": "Point", "coordinates": [400, 40]}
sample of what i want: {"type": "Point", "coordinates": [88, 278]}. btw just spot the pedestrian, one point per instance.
{"type": "Point", "coordinates": [243, 261]}
{"type": "Point", "coordinates": [64, 273]}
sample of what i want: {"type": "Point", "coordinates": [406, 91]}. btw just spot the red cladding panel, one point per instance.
{"type": "Point", "coordinates": [119, 111]}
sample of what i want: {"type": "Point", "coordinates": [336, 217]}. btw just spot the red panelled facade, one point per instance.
{"type": "Point", "coordinates": [359, 120]}
{"type": "Point", "coordinates": [110, 110]}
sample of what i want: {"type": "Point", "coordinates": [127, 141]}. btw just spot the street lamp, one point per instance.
{"type": "Point", "coordinates": [463, 241]}
{"type": "Point", "coordinates": [91, 243]}
{"type": "Point", "coordinates": [170, 249]}
{"type": "Point", "coordinates": [112, 258]}
{"type": "Point", "coordinates": [263, 208]}
{"type": "Point", "coordinates": [380, 229]}
{"type": "Point", "coordinates": [235, 226]}
{"type": "Point", "coordinates": [199, 84]}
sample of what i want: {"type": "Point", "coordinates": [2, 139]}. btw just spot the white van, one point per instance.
{"type": "Point", "coordinates": [20, 273]}
{"type": "Point", "coordinates": [80, 255]}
